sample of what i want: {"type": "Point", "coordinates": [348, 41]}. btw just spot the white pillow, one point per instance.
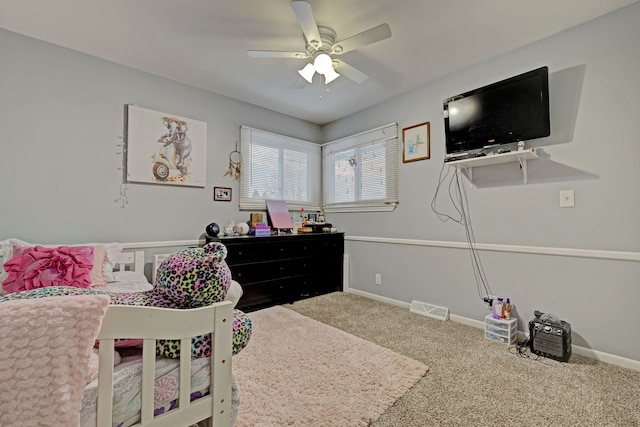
{"type": "Point", "coordinates": [128, 281]}
{"type": "Point", "coordinates": [234, 293]}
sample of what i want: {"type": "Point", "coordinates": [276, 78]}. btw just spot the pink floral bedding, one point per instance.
{"type": "Point", "coordinates": [126, 397]}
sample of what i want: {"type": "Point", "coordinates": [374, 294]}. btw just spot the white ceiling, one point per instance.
{"type": "Point", "coordinates": [204, 42]}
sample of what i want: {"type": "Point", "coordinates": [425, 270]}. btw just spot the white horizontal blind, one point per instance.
{"type": "Point", "coordinates": [360, 172]}
{"type": "Point", "coordinates": [277, 167]}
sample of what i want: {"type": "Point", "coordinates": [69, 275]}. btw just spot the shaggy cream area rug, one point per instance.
{"type": "Point", "coordinates": [297, 371]}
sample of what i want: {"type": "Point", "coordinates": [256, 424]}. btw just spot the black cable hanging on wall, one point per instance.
{"type": "Point", "coordinates": [458, 197]}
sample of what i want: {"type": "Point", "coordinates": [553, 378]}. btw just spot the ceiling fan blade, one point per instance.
{"type": "Point", "coordinates": [300, 83]}
{"type": "Point", "coordinates": [372, 35]}
{"type": "Point", "coordinates": [349, 72]}
{"type": "Point", "coordinates": [307, 21]}
{"type": "Point", "coordinates": [276, 54]}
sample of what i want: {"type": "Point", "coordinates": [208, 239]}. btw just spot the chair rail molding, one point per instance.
{"type": "Point", "coordinates": [538, 250]}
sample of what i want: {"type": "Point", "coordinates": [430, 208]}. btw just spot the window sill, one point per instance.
{"type": "Point", "coordinates": [354, 208]}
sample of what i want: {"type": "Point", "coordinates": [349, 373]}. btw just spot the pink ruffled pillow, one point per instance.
{"type": "Point", "coordinates": [38, 267]}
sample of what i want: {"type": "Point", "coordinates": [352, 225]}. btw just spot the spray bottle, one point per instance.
{"type": "Point", "coordinates": [497, 308]}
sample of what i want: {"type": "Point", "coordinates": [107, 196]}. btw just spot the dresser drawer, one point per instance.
{"type": "Point", "coordinates": [314, 284]}
{"type": "Point", "coordinates": [306, 265]}
{"type": "Point", "coordinates": [262, 271]}
{"type": "Point", "coordinates": [307, 248]}
{"type": "Point", "coordinates": [256, 251]}
{"type": "Point", "coordinates": [266, 293]}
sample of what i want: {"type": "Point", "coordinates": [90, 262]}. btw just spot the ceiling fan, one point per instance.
{"type": "Point", "coordinates": [320, 45]}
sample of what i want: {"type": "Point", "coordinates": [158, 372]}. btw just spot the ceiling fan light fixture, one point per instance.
{"type": "Point", "coordinates": [323, 63]}
{"type": "Point", "coordinates": [330, 76]}
{"type": "Point", "coordinates": [307, 72]}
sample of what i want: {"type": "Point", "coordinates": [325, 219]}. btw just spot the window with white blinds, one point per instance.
{"type": "Point", "coordinates": [360, 172]}
{"type": "Point", "coordinates": [277, 167]}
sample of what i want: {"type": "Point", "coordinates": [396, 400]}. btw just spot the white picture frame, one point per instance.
{"type": "Point", "coordinates": [163, 148]}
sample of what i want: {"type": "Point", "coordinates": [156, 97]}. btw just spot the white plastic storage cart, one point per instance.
{"type": "Point", "coordinates": [501, 330]}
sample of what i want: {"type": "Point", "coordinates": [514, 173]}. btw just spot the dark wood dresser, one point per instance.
{"type": "Point", "coordinates": [282, 269]}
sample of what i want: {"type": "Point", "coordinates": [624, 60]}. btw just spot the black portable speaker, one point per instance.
{"type": "Point", "coordinates": [550, 337]}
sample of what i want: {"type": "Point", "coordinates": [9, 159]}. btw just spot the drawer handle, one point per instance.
{"type": "Point", "coordinates": [239, 252]}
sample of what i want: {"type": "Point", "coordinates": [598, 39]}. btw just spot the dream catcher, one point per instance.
{"type": "Point", "coordinates": [234, 170]}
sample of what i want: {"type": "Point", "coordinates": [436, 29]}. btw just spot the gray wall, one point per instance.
{"type": "Point", "coordinates": [61, 115]}
{"type": "Point", "coordinates": [593, 149]}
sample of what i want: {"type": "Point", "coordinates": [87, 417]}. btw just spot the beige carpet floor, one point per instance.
{"type": "Point", "coordinates": [476, 382]}
{"type": "Point", "coordinates": [299, 372]}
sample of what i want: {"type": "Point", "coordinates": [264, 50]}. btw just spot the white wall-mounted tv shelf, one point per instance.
{"type": "Point", "coordinates": [494, 159]}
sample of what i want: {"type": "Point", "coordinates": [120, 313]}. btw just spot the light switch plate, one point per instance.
{"type": "Point", "coordinates": [567, 199]}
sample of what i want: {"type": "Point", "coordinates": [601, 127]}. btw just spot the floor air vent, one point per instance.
{"type": "Point", "coordinates": [429, 310]}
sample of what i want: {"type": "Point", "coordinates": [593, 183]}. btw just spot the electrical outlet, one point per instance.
{"type": "Point", "coordinates": [378, 279]}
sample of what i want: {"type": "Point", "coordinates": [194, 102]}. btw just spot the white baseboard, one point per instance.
{"type": "Point", "coordinates": [607, 357]}
{"type": "Point", "coordinates": [582, 351]}
{"type": "Point", "coordinates": [379, 298]}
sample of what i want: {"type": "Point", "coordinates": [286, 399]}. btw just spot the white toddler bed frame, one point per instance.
{"type": "Point", "coordinates": [133, 261]}
{"type": "Point", "coordinates": [152, 323]}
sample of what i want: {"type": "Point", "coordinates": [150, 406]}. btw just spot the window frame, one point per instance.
{"type": "Point", "coordinates": [388, 136]}
{"type": "Point", "coordinates": [250, 136]}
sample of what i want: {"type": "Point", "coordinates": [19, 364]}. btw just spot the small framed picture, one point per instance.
{"type": "Point", "coordinates": [415, 142]}
{"type": "Point", "coordinates": [222, 194]}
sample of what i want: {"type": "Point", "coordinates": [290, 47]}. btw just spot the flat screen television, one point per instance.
{"type": "Point", "coordinates": [511, 110]}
